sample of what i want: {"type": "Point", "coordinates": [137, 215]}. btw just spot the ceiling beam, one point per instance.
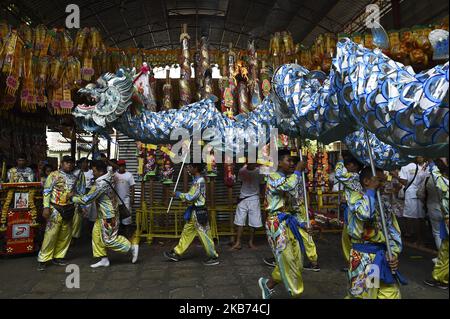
{"type": "Point", "coordinates": [211, 12]}
{"type": "Point", "coordinates": [86, 5]}
{"type": "Point", "coordinates": [196, 23]}
{"type": "Point", "coordinates": [250, 6]}
{"type": "Point", "coordinates": [318, 16]}
{"type": "Point", "coordinates": [23, 9]}
{"type": "Point", "coordinates": [311, 12]}
{"type": "Point", "coordinates": [103, 27]}
{"type": "Point", "coordinates": [166, 18]}
{"type": "Point", "coordinates": [320, 25]}
{"type": "Point", "coordinates": [224, 24]}
{"type": "Point", "coordinates": [357, 24]}
{"type": "Point", "coordinates": [170, 45]}
{"type": "Point", "coordinates": [123, 2]}
{"type": "Point", "coordinates": [121, 31]}
{"type": "Point", "coordinates": [179, 29]}
{"type": "Point", "coordinates": [147, 19]}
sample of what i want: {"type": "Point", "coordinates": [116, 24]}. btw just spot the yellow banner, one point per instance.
{"type": "Point", "coordinates": [265, 163]}
{"type": "Point", "coordinates": [167, 151]}
{"type": "Point", "coordinates": [140, 166]}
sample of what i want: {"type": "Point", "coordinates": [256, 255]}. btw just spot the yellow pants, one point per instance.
{"type": "Point", "coordinates": [288, 256]}
{"type": "Point", "coordinates": [357, 275]}
{"type": "Point", "coordinates": [58, 234]}
{"type": "Point", "coordinates": [346, 244]}
{"type": "Point", "coordinates": [192, 229]}
{"type": "Point", "coordinates": [440, 272]}
{"type": "Point", "coordinates": [105, 236]}
{"type": "Point", "coordinates": [76, 223]}
{"type": "Point", "coordinates": [310, 246]}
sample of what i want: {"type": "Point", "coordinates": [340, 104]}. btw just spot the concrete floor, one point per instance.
{"type": "Point", "coordinates": [153, 277]}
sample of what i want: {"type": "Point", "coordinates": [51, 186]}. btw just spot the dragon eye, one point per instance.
{"type": "Point", "coordinates": [101, 83]}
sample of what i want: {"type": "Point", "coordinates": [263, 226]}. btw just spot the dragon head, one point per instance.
{"type": "Point", "coordinates": [107, 100]}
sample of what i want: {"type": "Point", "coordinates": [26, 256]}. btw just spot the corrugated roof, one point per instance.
{"type": "Point", "coordinates": [57, 143]}
{"type": "Point", "coordinates": [157, 23]}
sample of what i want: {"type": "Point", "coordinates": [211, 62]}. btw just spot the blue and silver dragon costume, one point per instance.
{"type": "Point", "coordinates": [405, 114]}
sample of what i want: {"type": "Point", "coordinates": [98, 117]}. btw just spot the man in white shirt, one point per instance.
{"type": "Point", "coordinates": [411, 177]}
{"type": "Point", "coordinates": [249, 204]}
{"type": "Point", "coordinates": [124, 184]}
{"type": "Point", "coordinates": [111, 164]}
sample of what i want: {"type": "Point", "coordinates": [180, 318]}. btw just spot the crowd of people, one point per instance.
{"type": "Point", "coordinates": [102, 191]}
{"type": "Point", "coordinates": [369, 242]}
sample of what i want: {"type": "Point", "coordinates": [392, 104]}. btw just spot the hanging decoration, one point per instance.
{"type": "Point", "coordinates": [241, 78]}
{"type": "Point", "coordinates": [150, 164]}
{"type": "Point", "coordinates": [227, 103]}
{"type": "Point", "coordinates": [167, 89]}
{"type": "Point", "coordinates": [144, 83]}
{"type": "Point", "coordinates": [167, 165]}
{"type": "Point", "coordinates": [275, 49]}
{"type": "Point", "coordinates": [11, 62]}
{"type": "Point", "coordinates": [265, 79]}
{"type": "Point", "coordinates": [230, 93]}
{"type": "Point", "coordinates": [254, 84]}
{"type": "Point", "coordinates": [211, 165]}
{"type": "Point", "coordinates": [206, 86]}
{"type": "Point", "coordinates": [288, 47]}
{"type": "Point", "coordinates": [32, 58]}
{"type": "Point", "coordinates": [185, 72]}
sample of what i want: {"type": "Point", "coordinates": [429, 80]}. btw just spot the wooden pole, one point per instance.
{"type": "Point", "coordinates": [380, 204]}
{"type": "Point", "coordinates": [339, 188]}
{"type": "Point", "coordinates": [185, 181]}
{"type": "Point", "coordinates": [73, 143]}
{"type": "Point", "coordinates": [108, 149]}
{"type": "Point", "coordinates": [396, 13]}
{"type": "Point", "coordinates": [212, 192]}
{"type": "Point", "coordinates": [179, 175]}
{"type": "Point", "coordinates": [230, 204]}
{"type": "Point", "coordinates": [305, 190]}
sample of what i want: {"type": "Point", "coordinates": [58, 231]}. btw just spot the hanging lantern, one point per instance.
{"type": "Point", "coordinates": [66, 103]}
{"type": "Point", "coordinates": [167, 165]}
{"type": "Point", "coordinates": [185, 72]}
{"type": "Point", "coordinates": [265, 77]}
{"type": "Point", "coordinates": [211, 165]}
{"type": "Point", "coordinates": [11, 63]}
{"type": "Point", "coordinates": [150, 165]}
{"type": "Point", "coordinates": [167, 89]}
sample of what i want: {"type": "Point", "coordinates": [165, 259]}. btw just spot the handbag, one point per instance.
{"type": "Point", "coordinates": [202, 215]}
{"type": "Point", "coordinates": [66, 211]}
{"type": "Point", "coordinates": [124, 212]}
{"type": "Point", "coordinates": [422, 191]}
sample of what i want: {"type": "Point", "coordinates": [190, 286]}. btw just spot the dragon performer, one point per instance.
{"type": "Point", "coordinates": [405, 114]}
